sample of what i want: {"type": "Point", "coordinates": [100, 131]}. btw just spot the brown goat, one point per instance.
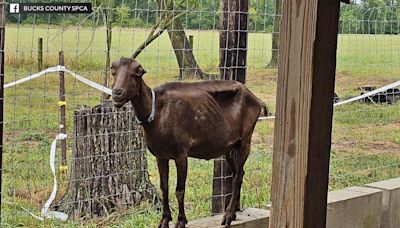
{"type": "Point", "coordinates": [202, 120]}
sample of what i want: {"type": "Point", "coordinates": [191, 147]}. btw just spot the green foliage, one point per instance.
{"type": "Point", "coordinates": [202, 14]}
{"type": "Point", "coordinates": [122, 15]}
{"type": "Point", "coordinates": [371, 17]}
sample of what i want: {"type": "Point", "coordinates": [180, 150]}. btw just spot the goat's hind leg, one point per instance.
{"type": "Point", "coordinates": [242, 156]}
{"type": "Point", "coordinates": [231, 160]}
{"type": "Point", "coordinates": [181, 168]}
{"type": "Point", "coordinates": [163, 169]}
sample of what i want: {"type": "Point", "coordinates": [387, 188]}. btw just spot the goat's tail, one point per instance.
{"type": "Point", "coordinates": [264, 110]}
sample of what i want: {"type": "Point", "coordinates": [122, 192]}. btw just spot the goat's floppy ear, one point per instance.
{"type": "Point", "coordinates": [140, 71]}
{"type": "Point", "coordinates": [113, 66]}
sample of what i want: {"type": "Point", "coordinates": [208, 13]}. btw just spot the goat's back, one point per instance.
{"type": "Point", "coordinates": [209, 117]}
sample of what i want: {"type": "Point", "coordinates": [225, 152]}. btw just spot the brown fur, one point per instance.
{"type": "Point", "coordinates": [202, 120]}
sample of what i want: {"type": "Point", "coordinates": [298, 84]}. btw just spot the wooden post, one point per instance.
{"type": "Point", "coordinates": [63, 121]}
{"type": "Point", "coordinates": [191, 42]}
{"type": "Point", "coordinates": [106, 81]}
{"type": "Point", "coordinates": [233, 55]}
{"type": "Point", "coordinates": [40, 54]}
{"type": "Point", "coordinates": [222, 186]}
{"type": "Point", "coordinates": [303, 124]}
{"type": "Point", "coordinates": [233, 39]}
{"type": "Point", "coordinates": [2, 40]}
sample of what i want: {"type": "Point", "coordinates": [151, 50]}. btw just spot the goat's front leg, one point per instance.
{"type": "Point", "coordinates": [181, 167]}
{"type": "Point", "coordinates": [163, 169]}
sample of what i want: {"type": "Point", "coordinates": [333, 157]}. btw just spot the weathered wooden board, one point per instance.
{"type": "Point", "coordinates": [303, 124]}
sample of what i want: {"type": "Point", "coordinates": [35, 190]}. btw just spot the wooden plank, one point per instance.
{"type": "Point", "coordinates": [303, 124]}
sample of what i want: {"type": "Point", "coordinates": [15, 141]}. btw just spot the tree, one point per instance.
{"type": "Point", "coordinates": [187, 63]}
{"type": "Point", "coordinates": [109, 169]}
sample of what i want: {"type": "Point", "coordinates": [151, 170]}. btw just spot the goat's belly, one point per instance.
{"type": "Point", "coordinates": [206, 155]}
{"type": "Point", "coordinates": [211, 150]}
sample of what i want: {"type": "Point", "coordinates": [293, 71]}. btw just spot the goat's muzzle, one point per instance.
{"type": "Point", "coordinates": [118, 97]}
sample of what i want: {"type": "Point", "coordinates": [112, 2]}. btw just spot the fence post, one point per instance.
{"type": "Point", "coordinates": [304, 108]}
{"type": "Point", "coordinates": [63, 121]}
{"type": "Point", "coordinates": [106, 79]}
{"type": "Point", "coordinates": [222, 186]}
{"type": "Point", "coordinates": [233, 39]}
{"type": "Point", "coordinates": [233, 55]}
{"type": "Point", "coordinates": [40, 54]}
{"type": "Point", "coordinates": [191, 38]}
{"type": "Point", "coordinates": [2, 40]}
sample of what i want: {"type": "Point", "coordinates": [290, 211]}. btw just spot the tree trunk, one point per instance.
{"type": "Point", "coordinates": [233, 39]}
{"type": "Point", "coordinates": [188, 67]}
{"type": "Point", "coordinates": [109, 167]}
{"type": "Point", "coordinates": [233, 57]}
{"type": "Point", "coordinates": [275, 34]}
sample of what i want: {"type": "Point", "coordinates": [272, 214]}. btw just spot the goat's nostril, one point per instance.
{"type": "Point", "coordinates": [117, 92]}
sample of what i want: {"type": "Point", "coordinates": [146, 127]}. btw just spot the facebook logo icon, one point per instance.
{"type": "Point", "coordinates": [14, 8]}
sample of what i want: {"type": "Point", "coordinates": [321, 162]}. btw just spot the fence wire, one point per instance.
{"type": "Point", "coordinates": [366, 135]}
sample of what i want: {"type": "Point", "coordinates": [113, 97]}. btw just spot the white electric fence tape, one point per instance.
{"type": "Point", "coordinates": [373, 92]}
{"type": "Point", "coordinates": [45, 213]}
{"type": "Point", "coordinates": [33, 76]}
{"type": "Point", "coordinates": [58, 69]}
{"type": "Point", "coordinates": [62, 216]}
{"type": "Point", "coordinates": [45, 210]}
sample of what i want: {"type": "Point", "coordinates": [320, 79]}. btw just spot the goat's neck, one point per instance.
{"type": "Point", "coordinates": [142, 103]}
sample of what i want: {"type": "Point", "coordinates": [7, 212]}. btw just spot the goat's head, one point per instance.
{"type": "Point", "coordinates": [127, 74]}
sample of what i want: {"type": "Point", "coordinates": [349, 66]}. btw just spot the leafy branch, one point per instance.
{"type": "Point", "coordinates": [154, 35]}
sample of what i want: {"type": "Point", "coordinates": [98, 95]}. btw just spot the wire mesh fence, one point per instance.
{"type": "Point", "coordinates": [366, 133]}
{"type": "Point", "coordinates": [366, 136]}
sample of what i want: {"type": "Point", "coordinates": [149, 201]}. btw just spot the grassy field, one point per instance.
{"type": "Point", "coordinates": [366, 138]}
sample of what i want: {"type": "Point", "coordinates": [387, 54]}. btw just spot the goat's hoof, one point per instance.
{"type": "Point", "coordinates": [238, 209]}
{"type": "Point", "coordinates": [182, 221]}
{"type": "Point", "coordinates": [228, 218]}
{"type": "Point", "coordinates": [180, 224]}
{"type": "Point", "coordinates": [164, 223]}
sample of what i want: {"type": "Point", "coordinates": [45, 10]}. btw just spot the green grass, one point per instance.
{"type": "Point", "coordinates": [363, 55]}
{"type": "Point", "coordinates": [366, 138]}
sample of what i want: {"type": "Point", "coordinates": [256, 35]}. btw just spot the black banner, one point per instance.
{"type": "Point", "coordinates": [50, 7]}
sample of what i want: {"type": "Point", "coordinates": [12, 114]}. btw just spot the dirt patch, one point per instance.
{"type": "Point", "coordinates": [347, 83]}
{"type": "Point", "coordinates": [368, 147]}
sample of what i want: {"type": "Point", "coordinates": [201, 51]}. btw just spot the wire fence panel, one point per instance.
{"type": "Point", "coordinates": [173, 42]}
{"type": "Point", "coordinates": [366, 135]}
